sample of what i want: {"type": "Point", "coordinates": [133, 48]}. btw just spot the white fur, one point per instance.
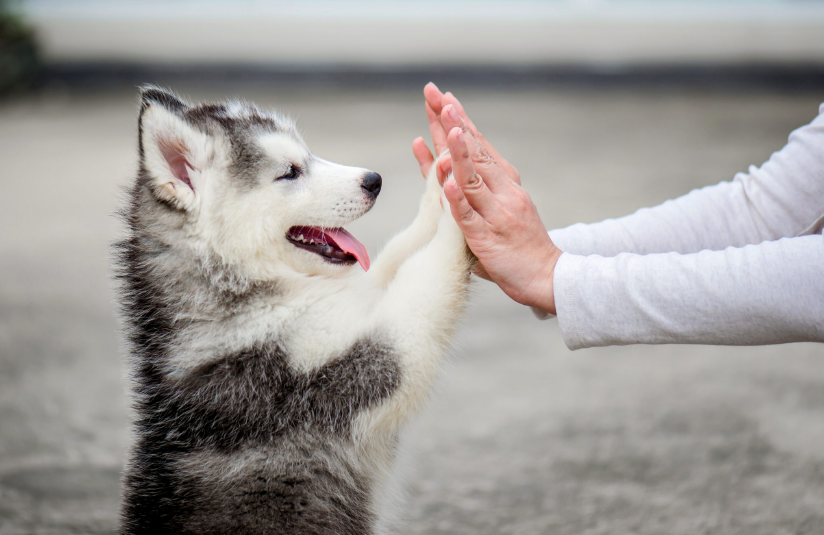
{"type": "Point", "coordinates": [413, 295]}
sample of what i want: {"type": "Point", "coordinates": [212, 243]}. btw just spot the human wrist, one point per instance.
{"type": "Point", "coordinates": [541, 294]}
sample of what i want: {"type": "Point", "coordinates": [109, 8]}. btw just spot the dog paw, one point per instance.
{"type": "Point", "coordinates": [433, 201]}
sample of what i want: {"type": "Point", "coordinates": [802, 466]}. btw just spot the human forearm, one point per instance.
{"type": "Point", "coordinates": [712, 218]}
{"type": "Point", "coordinates": [782, 198]}
{"type": "Point", "coordinates": [768, 293]}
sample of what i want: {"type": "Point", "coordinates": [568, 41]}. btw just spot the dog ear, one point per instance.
{"type": "Point", "coordinates": [172, 151]}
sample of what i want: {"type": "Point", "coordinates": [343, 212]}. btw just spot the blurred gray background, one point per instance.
{"type": "Point", "coordinates": [604, 106]}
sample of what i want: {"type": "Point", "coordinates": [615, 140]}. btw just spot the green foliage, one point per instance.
{"type": "Point", "coordinates": [19, 59]}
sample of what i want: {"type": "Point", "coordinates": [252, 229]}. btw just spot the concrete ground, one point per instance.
{"type": "Point", "coordinates": [523, 436]}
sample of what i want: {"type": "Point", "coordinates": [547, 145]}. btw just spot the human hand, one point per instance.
{"type": "Point", "coordinates": [434, 103]}
{"type": "Point", "coordinates": [498, 218]}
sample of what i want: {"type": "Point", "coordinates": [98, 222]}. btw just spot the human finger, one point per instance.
{"type": "Point", "coordinates": [433, 97]}
{"type": "Point", "coordinates": [436, 129]}
{"type": "Point", "coordinates": [463, 169]}
{"type": "Point", "coordinates": [470, 221]}
{"type": "Point", "coordinates": [444, 168]}
{"type": "Point", "coordinates": [423, 155]}
{"type": "Point", "coordinates": [493, 173]}
{"type": "Point", "coordinates": [449, 98]}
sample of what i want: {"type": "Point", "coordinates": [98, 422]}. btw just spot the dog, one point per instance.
{"type": "Point", "coordinates": [270, 371]}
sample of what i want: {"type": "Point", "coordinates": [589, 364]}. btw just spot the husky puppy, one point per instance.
{"type": "Point", "coordinates": [270, 372]}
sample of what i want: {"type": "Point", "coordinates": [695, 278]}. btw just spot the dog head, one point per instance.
{"type": "Point", "coordinates": [230, 182]}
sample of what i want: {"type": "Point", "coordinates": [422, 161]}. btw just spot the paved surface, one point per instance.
{"type": "Point", "coordinates": [523, 437]}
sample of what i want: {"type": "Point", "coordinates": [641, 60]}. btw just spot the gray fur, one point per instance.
{"type": "Point", "coordinates": [242, 443]}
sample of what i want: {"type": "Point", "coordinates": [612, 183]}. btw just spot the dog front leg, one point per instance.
{"type": "Point", "coordinates": [420, 311]}
{"type": "Point", "coordinates": [415, 236]}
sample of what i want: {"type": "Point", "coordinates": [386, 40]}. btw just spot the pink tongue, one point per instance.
{"type": "Point", "coordinates": [350, 245]}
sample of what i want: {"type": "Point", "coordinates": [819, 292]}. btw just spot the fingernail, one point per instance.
{"type": "Point", "coordinates": [433, 85]}
{"type": "Point", "coordinates": [460, 136]}
{"type": "Point", "coordinates": [451, 113]}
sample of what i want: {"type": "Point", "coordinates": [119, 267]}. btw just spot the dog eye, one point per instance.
{"type": "Point", "coordinates": [291, 174]}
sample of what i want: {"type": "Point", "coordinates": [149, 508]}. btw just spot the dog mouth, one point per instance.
{"type": "Point", "coordinates": [335, 245]}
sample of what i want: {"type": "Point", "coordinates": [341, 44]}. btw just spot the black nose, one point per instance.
{"type": "Point", "coordinates": [372, 184]}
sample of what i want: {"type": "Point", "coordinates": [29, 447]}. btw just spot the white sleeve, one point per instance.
{"type": "Point", "coordinates": [688, 271]}
{"type": "Point", "coordinates": [782, 198]}
{"type": "Point", "coordinates": [758, 294]}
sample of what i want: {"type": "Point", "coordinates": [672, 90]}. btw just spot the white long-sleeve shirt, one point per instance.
{"type": "Point", "coordinates": [739, 263]}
